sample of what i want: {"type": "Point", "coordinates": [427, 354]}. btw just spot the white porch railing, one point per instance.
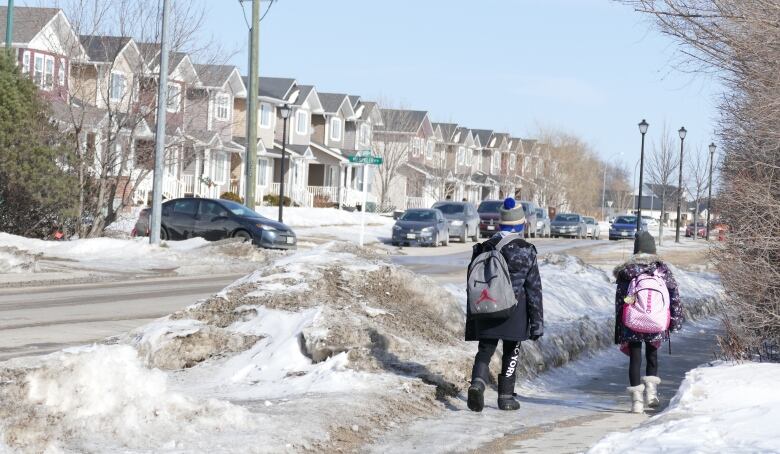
{"type": "Point", "coordinates": [328, 194]}
{"type": "Point", "coordinates": [188, 184]}
{"type": "Point", "coordinates": [416, 202]}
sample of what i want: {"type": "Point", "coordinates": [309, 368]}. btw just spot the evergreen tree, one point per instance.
{"type": "Point", "coordinates": [36, 188]}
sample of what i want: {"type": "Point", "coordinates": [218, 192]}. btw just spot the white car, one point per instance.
{"type": "Point", "coordinates": [594, 231]}
{"type": "Point", "coordinates": [652, 224]}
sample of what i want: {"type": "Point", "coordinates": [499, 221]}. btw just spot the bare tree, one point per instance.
{"type": "Point", "coordinates": [698, 180]}
{"type": "Point", "coordinates": [393, 142]}
{"type": "Point", "coordinates": [661, 169]}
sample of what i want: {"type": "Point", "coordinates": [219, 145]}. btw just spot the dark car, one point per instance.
{"type": "Point", "coordinates": [701, 230]}
{"type": "Point", "coordinates": [217, 219]}
{"type": "Point", "coordinates": [624, 228]}
{"type": "Point", "coordinates": [568, 225]}
{"type": "Point", "coordinates": [462, 218]}
{"type": "Point", "coordinates": [542, 223]}
{"type": "Point", "coordinates": [424, 226]}
{"type": "Point", "coordinates": [488, 216]}
{"type": "Point", "coordinates": [530, 218]}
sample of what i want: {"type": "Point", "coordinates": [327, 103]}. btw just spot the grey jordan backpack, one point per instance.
{"type": "Point", "coordinates": [489, 292]}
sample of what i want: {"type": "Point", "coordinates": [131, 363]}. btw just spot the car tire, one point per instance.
{"type": "Point", "coordinates": [243, 234]}
{"type": "Point", "coordinates": [462, 237]}
{"type": "Point", "coordinates": [476, 236]}
{"type": "Point", "coordinates": [163, 234]}
{"type": "Point", "coordinates": [395, 243]}
{"type": "Point", "coordinates": [435, 241]}
{"type": "Point", "coordinates": [446, 241]}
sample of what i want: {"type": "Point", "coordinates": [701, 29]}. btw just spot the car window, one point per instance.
{"type": "Point", "coordinates": [626, 220]}
{"type": "Point", "coordinates": [540, 212]}
{"type": "Point", "coordinates": [419, 216]}
{"type": "Point", "coordinates": [240, 210]}
{"type": "Point", "coordinates": [450, 208]}
{"type": "Point", "coordinates": [567, 218]}
{"type": "Point", "coordinates": [590, 221]}
{"type": "Point", "coordinates": [210, 209]}
{"type": "Point", "coordinates": [167, 209]}
{"type": "Point", "coordinates": [489, 207]}
{"type": "Point", "coordinates": [185, 206]}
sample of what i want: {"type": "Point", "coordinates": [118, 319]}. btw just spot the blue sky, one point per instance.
{"type": "Point", "coordinates": [591, 67]}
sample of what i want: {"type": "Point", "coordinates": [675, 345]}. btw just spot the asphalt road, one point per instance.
{"type": "Point", "coordinates": [38, 320]}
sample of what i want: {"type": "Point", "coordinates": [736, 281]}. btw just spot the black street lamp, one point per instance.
{"type": "Point", "coordinates": [643, 125]}
{"type": "Point", "coordinates": [709, 197]}
{"type": "Point", "coordinates": [682, 132]}
{"type": "Point", "coordinates": [284, 111]}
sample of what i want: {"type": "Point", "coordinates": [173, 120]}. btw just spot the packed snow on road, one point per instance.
{"type": "Point", "coordinates": [335, 341]}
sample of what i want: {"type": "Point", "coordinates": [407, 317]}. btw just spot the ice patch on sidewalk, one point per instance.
{"type": "Point", "coordinates": [725, 408]}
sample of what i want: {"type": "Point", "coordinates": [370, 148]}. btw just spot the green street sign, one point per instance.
{"type": "Point", "coordinates": [358, 159]}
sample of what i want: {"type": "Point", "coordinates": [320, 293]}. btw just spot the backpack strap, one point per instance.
{"type": "Point", "coordinates": [506, 240]}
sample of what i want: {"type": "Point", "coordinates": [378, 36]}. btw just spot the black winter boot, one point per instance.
{"type": "Point", "coordinates": [506, 394]}
{"type": "Point", "coordinates": [476, 393]}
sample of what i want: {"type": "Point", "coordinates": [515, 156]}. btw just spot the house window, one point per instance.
{"type": "Point", "coordinates": [38, 70]}
{"type": "Point", "coordinates": [61, 73]}
{"type": "Point", "coordinates": [335, 128]}
{"type": "Point", "coordinates": [262, 172]}
{"type": "Point", "coordinates": [469, 157]}
{"type": "Point", "coordinates": [48, 76]}
{"type": "Point", "coordinates": [220, 167]}
{"type": "Point", "coordinates": [174, 97]}
{"type": "Point", "coordinates": [117, 86]}
{"type": "Point", "coordinates": [301, 122]}
{"type": "Point", "coordinates": [222, 109]}
{"type": "Point", "coordinates": [26, 62]}
{"type": "Point", "coordinates": [265, 115]}
{"type": "Point", "coordinates": [365, 133]}
{"type": "Point", "coordinates": [494, 162]}
{"type": "Point", "coordinates": [512, 161]}
{"type": "Point", "coordinates": [461, 155]}
{"type": "Point", "coordinates": [429, 150]}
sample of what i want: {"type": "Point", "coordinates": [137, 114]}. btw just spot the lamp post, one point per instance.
{"type": "Point", "coordinates": [709, 196]}
{"type": "Point", "coordinates": [682, 133]}
{"type": "Point", "coordinates": [643, 125]}
{"type": "Point", "coordinates": [285, 112]}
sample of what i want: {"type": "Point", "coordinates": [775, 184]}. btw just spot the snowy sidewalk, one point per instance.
{"type": "Point", "coordinates": [566, 410]}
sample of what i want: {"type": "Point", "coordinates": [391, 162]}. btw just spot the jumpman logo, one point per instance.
{"type": "Point", "coordinates": [485, 296]}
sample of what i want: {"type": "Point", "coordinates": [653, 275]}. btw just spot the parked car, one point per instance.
{"type": "Point", "coordinates": [424, 226]}
{"type": "Point", "coordinates": [624, 227]}
{"type": "Point", "coordinates": [488, 216]}
{"type": "Point", "coordinates": [652, 223]}
{"type": "Point", "coordinates": [542, 223]}
{"type": "Point", "coordinates": [530, 218]}
{"type": "Point", "coordinates": [701, 228]}
{"type": "Point", "coordinates": [217, 219]}
{"type": "Point", "coordinates": [568, 225]}
{"type": "Point", "coordinates": [594, 231]}
{"type": "Point", "coordinates": [462, 218]}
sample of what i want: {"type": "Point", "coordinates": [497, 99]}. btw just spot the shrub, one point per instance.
{"type": "Point", "coordinates": [273, 200]}
{"type": "Point", "coordinates": [232, 196]}
{"type": "Point", "coordinates": [323, 201]}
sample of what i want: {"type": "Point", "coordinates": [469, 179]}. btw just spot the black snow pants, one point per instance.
{"type": "Point", "coordinates": [635, 363]}
{"type": "Point", "coordinates": [509, 359]}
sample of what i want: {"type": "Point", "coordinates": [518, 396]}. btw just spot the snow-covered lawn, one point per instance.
{"type": "Point", "coordinates": [192, 256]}
{"type": "Point", "coordinates": [320, 217]}
{"type": "Point", "coordinates": [718, 409]}
{"type": "Point", "coordinates": [335, 342]}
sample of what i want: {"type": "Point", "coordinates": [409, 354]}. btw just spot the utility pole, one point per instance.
{"type": "Point", "coordinates": [9, 25]}
{"type": "Point", "coordinates": [159, 144]}
{"type": "Point", "coordinates": [251, 115]}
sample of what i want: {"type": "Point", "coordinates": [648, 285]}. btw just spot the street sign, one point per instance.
{"type": "Point", "coordinates": [357, 159]}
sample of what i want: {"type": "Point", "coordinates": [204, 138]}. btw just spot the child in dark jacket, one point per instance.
{"type": "Point", "coordinates": [643, 390]}
{"type": "Point", "coordinates": [525, 322]}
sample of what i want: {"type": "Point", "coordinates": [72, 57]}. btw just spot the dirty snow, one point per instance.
{"type": "Point", "coordinates": [720, 408]}
{"type": "Point", "coordinates": [14, 260]}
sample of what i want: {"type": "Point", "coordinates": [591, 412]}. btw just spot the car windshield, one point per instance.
{"type": "Point", "coordinates": [567, 218]}
{"type": "Point", "coordinates": [239, 210]}
{"type": "Point", "coordinates": [489, 207]}
{"type": "Point", "coordinates": [450, 208]}
{"type": "Point", "coordinates": [419, 216]}
{"type": "Point", "coordinates": [590, 221]}
{"type": "Point", "coordinates": [626, 220]}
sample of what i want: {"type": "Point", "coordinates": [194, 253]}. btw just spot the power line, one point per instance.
{"type": "Point", "coordinates": [243, 11]}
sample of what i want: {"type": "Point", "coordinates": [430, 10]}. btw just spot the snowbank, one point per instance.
{"type": "Point", "coordinates": [126, 255]}
{"type": "Point", "coordinates": [725, 408]}
{"type": "Point", "coordinates": [126, 221]}
{"type": "Point", "coordinates": [13, 260]}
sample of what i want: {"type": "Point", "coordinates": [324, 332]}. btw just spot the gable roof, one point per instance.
{"type": "Point", "coordinates": [404, 121]}
{"type": "Point", "coordinates": [274, 87]}
{"type": "Point", "coordinates": [483, 135]}
{"type": "Point", "coordinates": [151, 53]}
{"type": "Point", "coordinates": [304, 92]}
{"type": "Point", "coordinates": [104, 49]}
{"type": "Point", "coordinates": [28, 22]}
{"type": "Point", "coordinates": [214, 75]}
{"type": "Point", "coordinates": [331, 102]}
{"type": "Point", "coordinates": [354, 100]}
{"type": "Point", "coordinates": [528, 145]}
{"type": "Point", "coordinates": [447, 130]}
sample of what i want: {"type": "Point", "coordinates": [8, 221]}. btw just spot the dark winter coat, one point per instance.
{"type": "Point", "coordinates": [625, 273]}
{"type": "Point", "coordinates": [527, 317]}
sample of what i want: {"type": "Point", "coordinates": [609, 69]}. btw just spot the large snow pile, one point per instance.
{"type": "Point", "coordinates": [725, 408]}
{"type": "Point", "coordinates": [113, 254]}
{"type": "Point", "coordinates": [125, 222]}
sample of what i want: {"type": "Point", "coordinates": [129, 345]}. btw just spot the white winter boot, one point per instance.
{"type": "Point", "coordinates": [651, 391]}
{"type": "Point", "coordinates": [637, 398]}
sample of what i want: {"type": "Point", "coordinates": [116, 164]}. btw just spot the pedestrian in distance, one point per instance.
{"type": "Point", "coordinates": [647, 308]}
{"type": "Point", "coordinates": [504, 302]}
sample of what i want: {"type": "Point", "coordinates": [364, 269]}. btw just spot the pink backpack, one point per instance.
{"type": "Point", "coordinates": [646, 308]}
